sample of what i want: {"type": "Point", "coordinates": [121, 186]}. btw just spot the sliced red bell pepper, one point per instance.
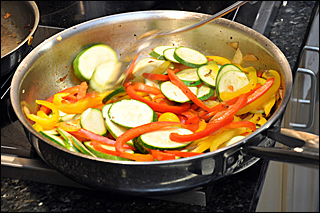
{"type": "Point", "coordinates": [182, 154]}
{"type": "Point", "coordinates": [136, 131]}
{"type": "Point", "coordinates": [83, 133]}
{"type": "Point", "coordinates": [157, 106]}
{"type": "Point", "coordinates": [141, 87]}
{"type": "Point", "coordinates": [176, 80]}
{"type": "Point", "coordinates": [137, 157]}
{"type": "Point", "coordinates": [214, 125]}
{"type": "Point", "coordinates": [82, 90]}
{"type": "Point", "coordinates": [260, 91]}
{"type": "Point", "coordinates": [97, 146]}
{"type": "Point", "coordinates": [155, 76]}
{"type": "Point", "coordinates": [72, 90]}
{"type": "Point", "coordinates": [237, 124]}
{"type": "Point", "coordinates": [201, 134]}
{"type": "Point", "coordinates": [160, 155]}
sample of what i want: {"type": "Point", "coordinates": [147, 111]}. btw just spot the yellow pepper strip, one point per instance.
{"type": "Point", "coordinates": [266, 96]}
{"type": "Point", "coordinates": [78, 107]}
{"type": "Point", "coordinates": [261, 81]}
{"type": "Point", "coordinates": [202, 125]}
{"type": "Point", "coordinates": [268, 105]}
{"type": "Point", "coordinates": [252, 75]}
{"type": "Point", "coordinates": [258, 119]}
{"type": "Point", "coordinates": [204, 144]}
{"type": "Point", "coordinates": [46, 122]}
{"type": "Point", "coordinates": [226, 136]}
{"type": "Point", "coordinates": [220, 60]}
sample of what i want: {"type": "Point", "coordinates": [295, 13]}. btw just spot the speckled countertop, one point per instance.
{"type": "Point", "coordinates": [228, 195]}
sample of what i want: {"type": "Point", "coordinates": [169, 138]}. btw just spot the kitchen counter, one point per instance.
{"type": "Point", "coordinates": [235, 193]}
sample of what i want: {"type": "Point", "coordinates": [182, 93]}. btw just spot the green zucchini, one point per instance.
{"type": "Point", "coordinates": [105, 75]}
{"type": "Point", "coordinates": [115, 129]}
{"type": "Point", "coordinates": [168, 54]}
{"type": "Point", "coordinates": [91, 119]}
{"type": "Point", "coordinates": [208, 73]}
{"type": "Point", "coordinates": [113, 93]}
{"type": "Point", "coordinates": [87, 60]}
{"type": "Point", "coordinates": [189, 77]}
{"type": "Point", "coordinates": [190, 57]}
{"type": "Point", "coordinates": [160, 139]}
{"type": "Point", "coordinates": [157, 52]}
{"type": "Point", "coordinates": [101, 154]}
{"type": "Point", "coordinates": [234, 79]}
{"type": "Point", "coordinates": [76, 143]}
{"type": "Point", "coordinates": [131, 113]}
{"type": "Point", "coordinates": [67, 140]}
{"type": "Point", "coordinates": [174, 93]}
{"type": "Point", "coordinates": [53, 137]}
{"type": "Point", "coordinates": [205, 92]}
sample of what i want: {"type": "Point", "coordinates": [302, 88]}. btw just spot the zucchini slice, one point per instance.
{"type": "Point", "coordinates": [131, 113]}
{"type": "Point", "coordinates": [168, 54]}
{"type": "Point", "coordinates": [205, 92]}
{"type": "Point", "coordinates": [160, 139]}
{"type": "Point", "coordinates": [157, 52]}
{"type": "Point", "coordinates": [115, 129]}
{"type": "Point", "coordinates": [149, 65]}
{"type": "Point", "coordinates": [101, 154]}
{"type": "Point", "coordinates": [232, 79]}
{"type": "Point", "coordinates": [120, 89]}
{"type": "Point", "coordinates": [91, 119]}
{"type": "Point", "coordinates": [189, 77]}
{"type": "Point", "coordinates": [87, 60]}
{"type": "Point", "coordinates": [105, 75]}
{"type": "Point", "coordinates": [208, 73]}
{"type": "Point", "coordinates": [190, 57]}
{"type": "Point", "coordinates": [174, 93]}
{"type": "Point", "coordinates": [76, 143]}
{"type": "Point", "coordinates": [225, 68]}
{"type": "Point", "coordinates": [53, 137]}
{"type": "Point", "coordinates": [67, 140]}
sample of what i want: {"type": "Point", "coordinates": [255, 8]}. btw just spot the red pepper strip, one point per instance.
{"type": "Point", "coordinates": [237, 124]}
{"type": "Point", "coordinates": [182, 154]}
{"type": "Point", "coordinates": [155, 76]}
{"type": "Point", "coordinates": [157, 106]}
{"type": "Point", "coordinates": [82, 90]}
{"type": "Point", "coordinates": [160, 155]}
{"type": "Point", "coordinates": [136, 131]}
{"type": "Point", "coordinates": [137, 157]}
{"type": "Point", "coordinates": [141, 87]}
{"type": "Point", "coordinates": [95, 137]}
{"type": "Point", "coordinates": [67, 90]}
{"type": "Point", "coordinates": [260, 91]}
{"type": "Point", "coordinates": [215, 125]}
{"type": "Point", "coordinates": [97, 146]}
{"type": "Point", "coordinates": [223, 105]}
{"type": "Point", "coordinates": [175, 80]}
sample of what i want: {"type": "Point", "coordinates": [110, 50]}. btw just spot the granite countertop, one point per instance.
{"type": "Point", "coordinates": [288, 33]}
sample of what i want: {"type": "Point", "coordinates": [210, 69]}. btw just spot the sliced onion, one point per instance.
{"type": "Point", "coordinates": [250, 57]}
{"type": "Point", "coordinates": [234, 45]}
{"type": "Point", "coordinates": [237, 58]}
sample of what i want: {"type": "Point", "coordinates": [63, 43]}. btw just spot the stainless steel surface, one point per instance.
{"type": "Point", "coordinates": [22, 23]}
{"type": "Point", "coordinates": [146, 39]}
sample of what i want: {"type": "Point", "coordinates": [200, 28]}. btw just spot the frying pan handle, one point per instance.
{"type": "Point", "coordinates": [302, 148]}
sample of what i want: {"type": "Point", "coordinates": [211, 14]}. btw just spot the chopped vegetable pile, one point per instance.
{"type": "Point", "coordinates": [177, 103]}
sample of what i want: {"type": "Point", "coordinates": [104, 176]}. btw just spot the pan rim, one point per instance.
{"type": "Point", "coordinates": [272, 48]}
